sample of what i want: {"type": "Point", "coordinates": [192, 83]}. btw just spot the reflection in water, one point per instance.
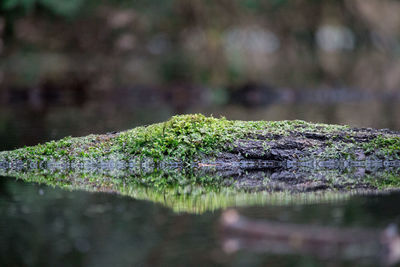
{"type": "Point", "coordinates": [325, 242]}
{"type": "Point", "coordinates": [200, 189]}
{"type": "Point", "coordinates": [96, 229]}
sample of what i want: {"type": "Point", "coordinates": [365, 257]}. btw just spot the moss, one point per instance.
{"type": "Point", "coordinates": [338, 150]}
{"type": "Point", "coordinates": [388, 145]}
{"type": "Point", "coordinates": [180, 191]}
{"type": "Point", "coordinates": [387, 180]}
{"type": "Point", "coordinates": [186, 138]}
{"type": "Point", "coordinates": [182, 137]}
{"type": "Point", "coordinates": [70, 148]}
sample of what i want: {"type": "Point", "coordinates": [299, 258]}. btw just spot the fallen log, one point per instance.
{"type": "Point", "coordinates": [189, 138]}
{"type": "Point", "coordinates": [206, 142]}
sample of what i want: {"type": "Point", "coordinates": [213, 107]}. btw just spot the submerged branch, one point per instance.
{"type": "Point", "coordinates": [239, 232]}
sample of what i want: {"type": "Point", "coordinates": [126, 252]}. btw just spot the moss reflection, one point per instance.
{"type": "Point", "coordinates": [180, 190]}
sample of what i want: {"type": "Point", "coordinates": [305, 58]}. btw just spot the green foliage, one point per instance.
{"type": "Point", "coordinates": [25, 5]}
{"type": "Point", "coordinates": [69, 8]}
{"type": "Point", "coordinates": [65, 8]}
{"type": "Point", "coordinates": [176, 68]}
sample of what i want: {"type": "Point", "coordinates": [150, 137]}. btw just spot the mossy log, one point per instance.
{"type": "Point", "coordinates": [196, 140]}
{"type": "Point", "coordinates": [194, 154]}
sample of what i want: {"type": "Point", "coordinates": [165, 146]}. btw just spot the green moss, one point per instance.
{"type": "Point", "coordinates": [186, 138]}
{"type": "Point", "coordinates": [388, 145]}
{"type": "Point", "coordinates": [66, 147]}
{"type": "Point", "coordinates": [388, 180]}
{"type": "Point", "coordinates": [180, 191]}
{"type": "Point", "coordinates": [182, 137]}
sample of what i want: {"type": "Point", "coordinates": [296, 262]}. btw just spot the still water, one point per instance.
{"type": "Point", "coordinates": [45, 226]}
{"type": "Point", "coordinates": [53, 225]}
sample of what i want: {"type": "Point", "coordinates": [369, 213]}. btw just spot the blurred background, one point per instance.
{"type": "Point", "coordinates": [74, 67]}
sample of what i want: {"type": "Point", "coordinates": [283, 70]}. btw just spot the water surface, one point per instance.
{"type": "Point", "coordinates": [101, 229]}
{"type": "Point", "coordinates": [93, 220]}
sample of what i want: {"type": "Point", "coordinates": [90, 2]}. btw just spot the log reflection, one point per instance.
{"type": "Point", "coordinates": [327, 243]}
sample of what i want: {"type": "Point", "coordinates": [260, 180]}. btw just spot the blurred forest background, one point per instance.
{"type": "Point", "coordinates": [73, 67]}
{"type": "Point", "coordinates": [76, 67]}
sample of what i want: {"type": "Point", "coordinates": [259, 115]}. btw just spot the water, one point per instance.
{"type": "Point", "coordinates": [91, 223]}
{"type": "Point", "coordinates": [99, 66]}
{"type": "Point", "coordinates": [42, 225]}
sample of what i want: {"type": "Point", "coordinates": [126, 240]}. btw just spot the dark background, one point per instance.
{"type": "Point", "coordinates": [74, 67]}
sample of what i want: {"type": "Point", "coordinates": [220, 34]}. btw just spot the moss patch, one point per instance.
{"type": "Point", "coordinates": [187, 138]}
{"type": "Point", "coordinates": [389, 146]}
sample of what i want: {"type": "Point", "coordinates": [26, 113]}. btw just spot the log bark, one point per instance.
{"type": "Point", "coordinates": [275, 156]}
